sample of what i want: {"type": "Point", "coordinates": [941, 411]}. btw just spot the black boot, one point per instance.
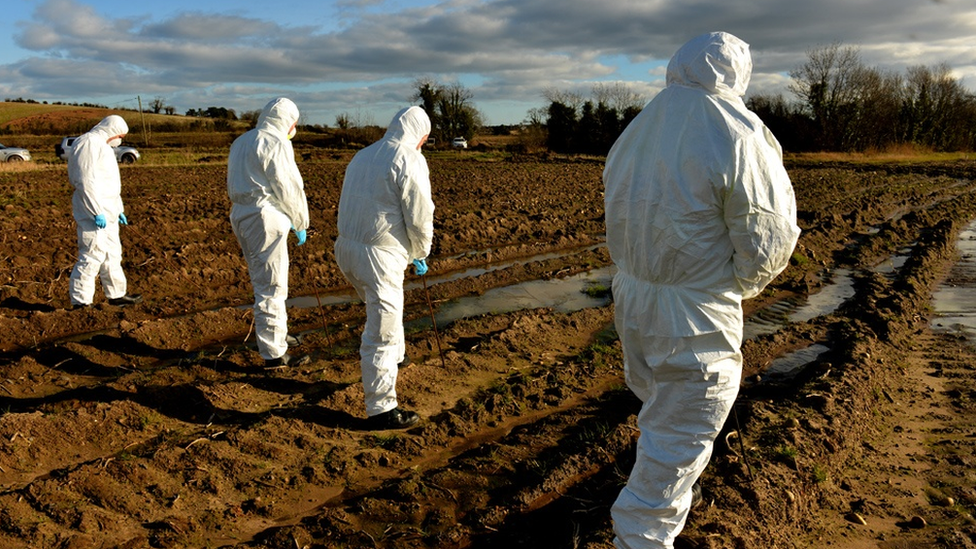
{"type": "Point", "coordinates": [696, 495]}
{"type": "Point", "coordinates": [394, 419]}
{"type": "Point", "coordinates": [287, 360]}
{"type": "Point", "coordinates": [127, 299]}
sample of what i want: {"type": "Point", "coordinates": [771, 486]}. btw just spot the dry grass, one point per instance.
{"type": "Point", "coordinates": [16, 167]}
{"type": "Point", "coordinates": [899, 154]}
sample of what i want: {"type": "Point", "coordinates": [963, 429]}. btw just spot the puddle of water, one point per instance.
{"type": "Point", "coordinates": [955, 304]}
{"type": "Point", "coordinates": [832, 295]}
{"type": "Point", "coordinates": [835, 291]}
{"type": "Point", "coordinates": [891, 266]}
{"type": "Point", "coordinates": [569, 294]}
{"type": "Point", "coordinates": [793, 363]}
{"type": "Point", "coordinates": [564, 295]}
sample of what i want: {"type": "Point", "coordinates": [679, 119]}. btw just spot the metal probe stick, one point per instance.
{"type": "Point", "coordinates": [742, 444]}
{"type": "Point", "coordinates": [433, 321]}
{"type": "Point", "coordinates": [328, 336]}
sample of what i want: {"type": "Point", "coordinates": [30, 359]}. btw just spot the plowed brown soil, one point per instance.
{"type": "Point", "coordinates": [157, 426]}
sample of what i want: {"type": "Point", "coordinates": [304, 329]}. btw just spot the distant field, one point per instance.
{"type": "Point", "coordinates": [39, 119]}
{"type": "Point", "coordinates": [12, 112]}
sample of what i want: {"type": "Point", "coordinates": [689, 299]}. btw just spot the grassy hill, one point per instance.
{"type": "Point", "coordinates": [18, 118]}
{"type": "Point", "coordinates": [38, 127]}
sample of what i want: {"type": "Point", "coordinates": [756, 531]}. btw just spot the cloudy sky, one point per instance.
{"type": "Point", "coordinates": [361, 58]}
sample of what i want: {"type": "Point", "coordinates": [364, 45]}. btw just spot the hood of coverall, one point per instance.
{"type": "Point", "coordinates": [718, 62]}
{"type": "Point", "coordinates": [409, 126]}
{"type": "Point", "coordinates": [110, 126]}
{"type": "Point", "coordinates": [279, 114]}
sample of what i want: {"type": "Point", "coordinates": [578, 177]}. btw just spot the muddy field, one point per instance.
{"type": "Point", "coordinates": [157, 426]}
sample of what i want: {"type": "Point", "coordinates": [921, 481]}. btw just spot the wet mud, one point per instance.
{"type": "Point", "coordinates": [157, 426]}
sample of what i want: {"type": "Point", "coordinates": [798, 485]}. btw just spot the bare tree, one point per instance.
{"type": "Point", "coordinates": [572, 99]}
{"type": "Point", "coordinates": [458, 116]}
{"type": "Point", "coordinates": [157, 104]}
{"type": "Point", "coordinates": [251, 117]}
{"type": "Point", "coordinates": [449, 106]}
{"type": "Point", "coordinates": [829, 84]}
{"type": "Point", "coordinates": [930, 97]}
{"type": "Point", "coordinates": [618, 96]}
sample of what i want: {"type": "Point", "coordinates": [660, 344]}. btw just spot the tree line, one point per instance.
{"type": "Point", "coordinates": [843, 105]}
{"type": "Point", "coordinates": [839, 105]}
{"type": "Point", "coordinates": [577, 124]}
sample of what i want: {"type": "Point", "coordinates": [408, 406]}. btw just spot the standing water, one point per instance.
{"type": "Point", "coordinates": [955, 300]}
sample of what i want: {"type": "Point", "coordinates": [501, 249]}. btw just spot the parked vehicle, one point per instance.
{"type": "Point", "coordinates": [13, 154]}
{"type": "Point", "coordinates": [124, 155]}
{"type": "Point", "coordinates": [459, 143]}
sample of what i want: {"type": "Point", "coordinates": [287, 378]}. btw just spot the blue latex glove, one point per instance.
{"type": "Point", "coordinates": [420, 266]}
{"type": "Point", "coordinates": [100, 221]}
{"type": "Point", "coordinates": [123, 220]}
{"type": "Point", "coordinates": [301, 237]}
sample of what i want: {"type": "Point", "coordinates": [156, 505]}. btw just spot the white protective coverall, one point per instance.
{"type": "Point", "coordinates": [93, 171]}
{"type": "Point", "coordinates": [700, 214]}
{"type": "Point", "coordinates": [386, 219]}
{"type": "Point", "coordinates": [268, 198]}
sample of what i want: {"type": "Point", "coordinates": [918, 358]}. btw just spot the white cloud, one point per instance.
{"type": "Point", "coordinates": [510, 49]}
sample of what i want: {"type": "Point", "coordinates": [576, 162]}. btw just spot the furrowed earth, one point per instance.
{"type": "Point", "coordinates": [157, 425]}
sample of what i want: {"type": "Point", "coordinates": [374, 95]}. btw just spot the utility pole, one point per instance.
{"type": "Point", "coordinates": [145, 140]}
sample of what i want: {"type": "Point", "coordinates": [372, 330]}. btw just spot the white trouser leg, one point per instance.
{"type": "Point", "coordinates": [111, 275]}
{"type": "Point", "coordinates": [99, 256]}
{"type": "Point", "coordinates": [377, 275]}
{"type": "Point", "coordinates": [263, 236]}
{"type": "Point", "coordinates": [688, 386]}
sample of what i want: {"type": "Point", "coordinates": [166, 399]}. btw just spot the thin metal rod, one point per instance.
{"type": "Point", "coordinates": [328, 336]}
{"type": "Point", "coordinates": [742, 444]}
{"type": "Point", "coordinates": [433, 321]}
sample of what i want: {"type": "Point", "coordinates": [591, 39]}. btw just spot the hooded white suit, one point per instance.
{"type": "Point", "coordinates": [386, 219]}
{"type": "Point", "coordinates": [93, 171]}
{"type": "Point", "coordinates": [268, 198]}
{"type": "Point", "coordinates": [700, 214]}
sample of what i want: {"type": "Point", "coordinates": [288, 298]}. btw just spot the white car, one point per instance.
{"type": "Point", "coordinates": [459, 143]}
{"type": "Point", "coordinates": [13, 154]}
{"type": "Point", "coordinates": [123, 154]}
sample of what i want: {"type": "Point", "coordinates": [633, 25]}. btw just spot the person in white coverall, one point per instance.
{"type": "Point", "coordinates": [700, 215]}
{"type": "Point", "coordinates": [97, 206]}
{"type": "Point", "coordinates": [268, 197]}
{"type": "Point", "coordinates": [386, 221]}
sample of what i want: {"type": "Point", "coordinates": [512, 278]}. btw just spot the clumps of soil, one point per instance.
{"type": "Point", "coordinates": [157, 425]}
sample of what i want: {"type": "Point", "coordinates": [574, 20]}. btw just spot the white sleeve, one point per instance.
{"type": "Point", "coordinates": [287, 185]}
{"type": "Point", "coordinates": [418, 208]}
{"type": "Point", "coordinates": [760, 211]}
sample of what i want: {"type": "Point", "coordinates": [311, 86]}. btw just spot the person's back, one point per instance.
{"type": "Point", "coordinates": [369, 205]}
{"type": "Point", "coordinates": [93, 171]}
{"type": "Point", "coordinates": [383, 182]}
{"type": "Point", "coordinates": [680, 181]}
{"type": "Point", "coordinates": [261, 167]}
